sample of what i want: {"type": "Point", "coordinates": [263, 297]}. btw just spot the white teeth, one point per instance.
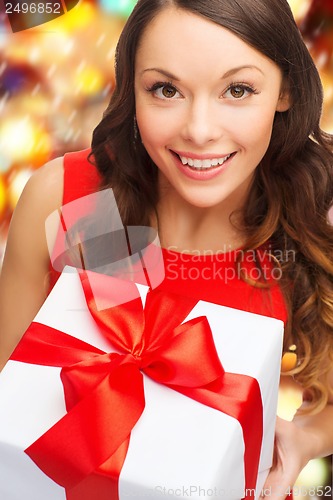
{"type": "Point", "coordinates": [203, 164]}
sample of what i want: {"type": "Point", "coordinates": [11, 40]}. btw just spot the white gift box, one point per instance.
{"type": "Point", "coordinates": [179, 448]}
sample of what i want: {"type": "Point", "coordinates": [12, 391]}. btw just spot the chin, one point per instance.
{"type": "Point", "coordinates": [203, 202]}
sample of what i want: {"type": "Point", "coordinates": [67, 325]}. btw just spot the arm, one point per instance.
{"type": "Point", "coordinates": [319, 427]}
{"type": "Point", "coordinates": [24, 274]}
{"type": "Point", "coordinates": [296, 443]}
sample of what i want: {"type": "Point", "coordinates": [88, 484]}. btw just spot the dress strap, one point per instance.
{"type": "Point", "coordinates": [81, 177]}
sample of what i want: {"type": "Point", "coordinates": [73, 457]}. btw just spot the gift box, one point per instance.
{"type": "Point", "coordinates": [180, 446]}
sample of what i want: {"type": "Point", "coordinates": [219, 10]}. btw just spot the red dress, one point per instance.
{"type": "Point", "coordinates": [207, 277]}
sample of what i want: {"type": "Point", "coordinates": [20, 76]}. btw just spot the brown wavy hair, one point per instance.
{"type": "Point", "coordinates": [292, 191]}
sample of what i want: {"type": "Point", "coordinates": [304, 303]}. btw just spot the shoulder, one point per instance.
{"type": "Point", "coordinates": [41, 196]}
{"type": "Point", "coordinates": [45, 187]}
{"type": "Point", "coordinates": [27, 253]}
{"type": "Point", "coordinates": [62, 180]}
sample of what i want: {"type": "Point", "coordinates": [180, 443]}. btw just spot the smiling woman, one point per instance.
{"type": "Point", "coordinates": [212, 137]}
{"type": "Point", "coordinates": [195, 114]}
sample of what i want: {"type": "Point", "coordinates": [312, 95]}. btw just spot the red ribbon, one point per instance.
{"type": "Point", "coordinates": [85, 450]}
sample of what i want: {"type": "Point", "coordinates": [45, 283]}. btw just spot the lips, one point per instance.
{"type": "Point", "coordinates": [203, 163]}
{"type": "Point", "coordinates": [205, 169]}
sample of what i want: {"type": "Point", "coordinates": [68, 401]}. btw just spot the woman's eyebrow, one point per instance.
{"type": "Point", "coordinates": [233, 71]}
{"type": "Point", "coordinates": [229, 73]}
{"type": "Point", "coordinates": [163, 72]}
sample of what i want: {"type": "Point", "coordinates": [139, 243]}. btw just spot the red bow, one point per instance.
{"type": "Point", "coordinates": [85, 450]}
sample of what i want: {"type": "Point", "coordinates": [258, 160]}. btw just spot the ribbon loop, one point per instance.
{"type": "Point", "coordinates": [96, 433]}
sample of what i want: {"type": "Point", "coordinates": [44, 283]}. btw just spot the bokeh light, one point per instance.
{"type": "Point", "coordinates": [315, 472]}
{"type": "Point", "coordinates": [78, 18]}
{"type": "Point", "coordinates": [3, 195]}
{"type": "Point", "coordinates": [299, 8]}
{"type": "Point", "coordinates": [24, 140]}
{"type": "Point", "coordinates": [120, 7]}
{"type": "Point", "coordinates": [89, 80]}
{"type": "Point", "coordinates": [18, 181]}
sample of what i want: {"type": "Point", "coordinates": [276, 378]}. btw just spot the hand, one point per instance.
{"type": "Point", "coordinates": [291, 454]}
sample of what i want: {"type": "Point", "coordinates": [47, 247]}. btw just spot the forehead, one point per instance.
{"type": "Point", "coordinates": [176, 36]}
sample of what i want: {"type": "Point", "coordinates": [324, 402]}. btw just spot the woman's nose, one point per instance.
{"type": "Point", "coordinates": [201, 123]}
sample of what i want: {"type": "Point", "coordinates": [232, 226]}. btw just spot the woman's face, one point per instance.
{"type": "Point", "coordinates": [205, 105]}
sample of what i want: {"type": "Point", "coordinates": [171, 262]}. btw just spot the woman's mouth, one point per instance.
{"type": "Point", "coordinates": [202, 169]}
{"type": "Point", "coordinates": [196, 164]}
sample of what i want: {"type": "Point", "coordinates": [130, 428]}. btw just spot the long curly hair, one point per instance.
{"type": "Point", "coordinates": [292, 192]}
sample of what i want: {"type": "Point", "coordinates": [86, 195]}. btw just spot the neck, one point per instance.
{"type": "Point", "coordinates": [186, 228]}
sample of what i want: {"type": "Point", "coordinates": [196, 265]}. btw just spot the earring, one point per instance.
{"type": "Point", "coordinates": [136, 129]}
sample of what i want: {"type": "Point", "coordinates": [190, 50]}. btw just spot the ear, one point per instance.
{"type": "Point", "coordinates": [284, 102]}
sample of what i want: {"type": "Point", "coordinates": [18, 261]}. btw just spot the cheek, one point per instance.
{"type": "Point", "coordinates": [257, 129]}
{"type": "Point", "coordinates": [153, 136]}
{"type": "Point", "coordinates": [155, 127]}
{"type": "Point", "coordinates": [157, 122]}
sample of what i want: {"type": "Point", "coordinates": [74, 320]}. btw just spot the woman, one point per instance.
{"type": "Point", "coordinates": [212, 137]}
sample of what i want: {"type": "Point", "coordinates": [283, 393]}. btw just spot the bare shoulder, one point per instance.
{"type": "Point", "coordinates": [41, 196]}
{"type": "Point", "coordinates": [46, 186]}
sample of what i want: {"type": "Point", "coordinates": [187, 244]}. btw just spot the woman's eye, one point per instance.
{"type": "Point", "coordinates": [168, 91]}
{"type": "Point", "coordinates": [239, 91]}
{"type": "Point", "coordinates": [164, 91]}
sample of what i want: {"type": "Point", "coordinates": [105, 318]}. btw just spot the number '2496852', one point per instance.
{"type": "Point", "coordinates": [23, 14]}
